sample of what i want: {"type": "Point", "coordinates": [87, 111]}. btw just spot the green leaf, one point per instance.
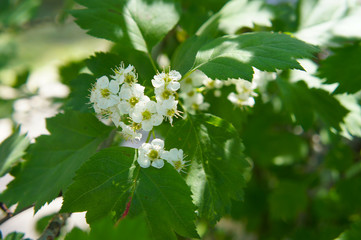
{"type": "Point", "coordinates": [11, 150]}
{"type": "Point", "coordinates": [52, 160]}
{"type": "Point", "coordinates": [160, 194]}
{"type": "Point", "coordinates": [134, 228]}
{"type": "Point", "coordinates": [237, 14]}
{"type": "Point", "coordinates": [341, 68]}
{"type": "Point", "coordinates": [234, 56]}
{"type": "Point", "coordinates": [307, 103]}
{"type": "Point", "coordinates": [183, 58]}
{"type": "Point", "coordinates": [103, 63]}
{"type": "Point", "coordinates": [218, 164]}
{"type": "Point", "coordinates": [105, 174]}
{"type": "Point", "coordinates": [354, 233]}
{"type": "Point", "coordinates": [142, 22]}
{"type": "Point", "coordinates": [288, 200]}
{"type": "Point", "coordinates": [70, 71]}
{"type": "Point", "coordinates": [79, 93]}
{"type": "Point", "coordinates": [15, 236]}
{"type": "Point", "coordinates": [352, 121]}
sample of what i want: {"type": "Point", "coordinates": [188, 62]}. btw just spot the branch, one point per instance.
{"type": "Point", "coordinates": [10, 214]}
{"type": "Point", "coordinates": [53, 229]}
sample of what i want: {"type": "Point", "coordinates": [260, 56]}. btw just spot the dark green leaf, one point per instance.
{"type": "Point", "coordinates": [354, 233]}
{"type": "Point", "coordinates": [79, 93]}
{"type": "Point", "coordinates": [234, 56]}
{"type": "Point", "coordinates": [305, 103]}
{"type": "Point", "coordinates": [52, 160]}
{"type": "Point", "coordinates": [105, 184]}
{"type": "Point", "coordinates": [104, 229]}
{"type": "Point", "coordinates": [70, 71]}
{"type": "Point", "coordinates": [11, 150]}
{"type": "Point", "coordinates": [103, 63]}
{"type": "Point", "coordinates": [218, 164]}
{"type": "Point", "coordinates": [342, 68]}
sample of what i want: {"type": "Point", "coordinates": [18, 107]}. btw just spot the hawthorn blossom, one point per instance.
{"type": "Point", "coordinates": [193, 81]}
{"type": "Point", "coordinates": [149, 154]}
{"type": "Point", "coordinates": [194, 101]}
{"type": "Point", "coordinates": [129, 133]}
{"type": "Point", "coordinates": [125, 75]}
{"type": "Point", "coordinates": [244, 95]}
{"type": "Point", "coordinates": [104, 93]}
{"type": "Point", "coordinates": [175, 157]}
{"type": "Point", "coordinates": [168, 108]}
{"type": "Point", "coordinates": [130, 96]}
{"type": "Point", "coordinates": [168, 80]}
{"type": "Point", "coordinates": [145, 112]}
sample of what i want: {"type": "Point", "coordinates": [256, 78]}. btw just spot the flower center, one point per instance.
{"type": "Point", "coordinates": [136, 126]}
{"type": "Point", "coordinates": [178, 165]}
{"type": "Point", "coordinates": [153, 155]}
{"type": "Point", "coordinates": [132, 101]}
{"type": "Point", "coordinates": [170, 112]}
{"type": "Point", "coordinates": [166, 94]}
{"type": "Point", "coordinates": [105, 92]}
{"type": "Point", "coordinates": [190, 94]}
{"type": "Point", "coordinates": [146, 115]}
{"type": "Point", "coordinates": [188, 80]}
{"type": "Point", "coordinates": [129, 79]}
{"type": "Point", "coordinates": [167, 79]}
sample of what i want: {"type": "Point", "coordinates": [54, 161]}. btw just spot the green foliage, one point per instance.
{"type": "Point", "coordinates": [341, 68]}
{"type": "Point", "coordinates": [307, 103]}
{"type": "Point", "coordinates": [233, 56]}
{"type": "Point", "coordinates": [159, 195]}
{"type": "Point", "coordinates": [14, 236]}
{"type": "Point", "coordinates": [218, 164]}
{"type": "Point", "coordinates": [11, 151]}
{"type": "Point", "coordinates": [137, 21]}
{"type": "Point", "coordinates": [353, 233]}
{"type": "Point", "coordinates": [53, 160]}
{"type": "Point", "coordinates": [104, 228]}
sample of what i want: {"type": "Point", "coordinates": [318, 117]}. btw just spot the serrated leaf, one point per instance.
{"type": "Point", "coordinates": [142, 22]}
{"type": "Point", "coordinates": [79, 93]}
{"type": "Point", "coordinates": [52, 161]}
{"type": "Point", "coordinates": [11, 150]}
{"type": "Point", "coordinates": [341, 68]}
{"type": "Point", "coordinates": [105, 174]}
{"type": "Point", "coordinates": [234, 56]}
{"type": "Point", "coordinates": [307, 103]}
{"type": "Point", "coordinates": [160, 194]}
{"type": "Point", "coordinates": [218, 163]}
{"type": "Point", "coordinates": [134, 228]}
{"type": "Point", "coordinates": [103, 63]}
{"type": "Point", "coordinates": [237, 14]}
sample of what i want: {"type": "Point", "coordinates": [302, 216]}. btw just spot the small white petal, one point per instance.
{"type": "Point", "coordinates": [158, 163]}
{"type": "Point", "coordinates": [113, 87]}
{"type": "Point", "coordinates": [143, 162]}
{"type": "Point", "coordinates": [158, 142]}
{"type": "Point", "coordinates": [103, 82]}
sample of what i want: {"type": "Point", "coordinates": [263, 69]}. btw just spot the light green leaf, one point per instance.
{"type": "Point", "coordinates": [307, 103]}
{"type": "Point", "coordinates": [352, 121]}
{"type": "Point", "coordinates": [160, 194]}
{"type": "Point", "coordinates": [237, 14]}
{"type": "Point", "coordinates": [52, 160]}
{"type": "Point", "coordinates": [354, 233]}
{"type": "Point", "coordinates": [341, 68]}
{"type": "Point", "coordinates": [11, 150]}
{"type": "Point", "coordinates": [234, 56]}
{"type": "Point", "coordinates": [134, 228]}
{"type": "Point", "coordinates": [142, 22]}
{"type": "Point", "coordinates": [217, 162]}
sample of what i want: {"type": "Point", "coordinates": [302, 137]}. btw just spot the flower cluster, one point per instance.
{"type": "Point", "coordinates": [153, 154]}
{"type": "Point", "coordinates": [122, 100]}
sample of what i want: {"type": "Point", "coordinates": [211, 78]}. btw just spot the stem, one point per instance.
{"type": "Point", "coordinates": [10, 214]}
{"type": "Point", "coordinates": [52, 231]}
{"type": "Point", "coordinates": [148, 138]}
{"type": "Point", "coordinates": [153, 134]}
{"type": "Point", "coordinates": [152, 62]}
{"type": "Point", "coordinates": [187, 75]}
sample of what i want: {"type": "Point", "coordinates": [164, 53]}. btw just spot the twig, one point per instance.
{"type": "Point", "coordinates": [11, 214]}
{"type": "Point", "coordinates": [53, 229]}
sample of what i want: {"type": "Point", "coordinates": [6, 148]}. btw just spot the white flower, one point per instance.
{"type": "Point", "coordinates": [163, 93]}
{"type": "Point", "coordinates": [129, 132]}
{"type": "Point", "coordinates": [245, 93]}
{"type": "Point", "coordinates": [167, 80]}
{"type": "Point", "coordinates": [194, 101]}
{"type": "Point", "coordinates": [150, 154]}
{"type": "Point", "coordinates": [131, 95]}
{"type": "Point", "coordinates": [125, 75]}
{"type": "Point", "coordinates": [210, 84]}
{"type": "Point", "coordinates": [104, 93]}
{"type": "Point", "coordinates": [241, 99]}
{"type": "Point", "coordinates": [193, 81]}
{"type": "Point", "coordinates": [145, 112]}
{"type": "Point", "coordinates": [175, 157]}
{"type": "Point", "coordinates": [168, 108]}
